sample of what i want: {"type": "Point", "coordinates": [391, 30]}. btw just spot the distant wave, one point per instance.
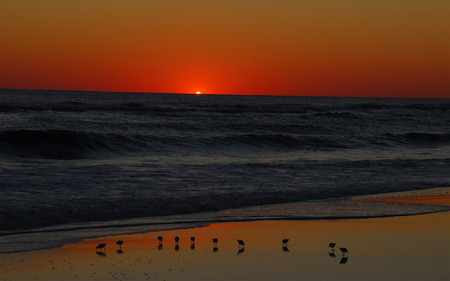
{"type": "Point", "coordinates": [56, 144]}
{"type": "Point", "coordinates": [283, 141]}
{"type": "Point", "coordinates": [85, 107]}
{"type": "Point", "coordinates": [420, 139]}
{"type": "Point", "coordinates": [193, 105]}
{"type": "Point", "coordinates": [70, 144]}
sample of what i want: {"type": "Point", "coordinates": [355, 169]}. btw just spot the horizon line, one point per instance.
{"type": "Point", "coordinates": [224, 94]}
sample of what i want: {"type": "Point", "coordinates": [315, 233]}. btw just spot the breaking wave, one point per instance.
{"type": "Point", "coordinates": [57, 144]}
{"type": "Point", "coordinates": [69, 144]}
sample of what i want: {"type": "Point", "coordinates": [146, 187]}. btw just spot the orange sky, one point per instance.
{"type": "Point", "coordinates": [397, 48]}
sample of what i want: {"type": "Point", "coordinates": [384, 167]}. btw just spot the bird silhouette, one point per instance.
{"type": "Point", "coordinates": [177, 239]}
{"type": "Point", "coordinates": [285, 241]}
{"type": "Point", "coordinates": [343, 260]}
{"type": "Point", "coordinates": [215, 241]}
{"type": "Point", "coordinates": [119, 243]}
{"type": "Point", "coordinates": [344, 251]}
{"type": "Point", "coordinates": [160, 239]}
{"type": "Point", "coordinates": [192, 243]}
{"type": "Point", "coordinates": [99, 248]}
{"type": "Point", "coordinates": [241, 243]}
{"type": "Point", "coordinates": [332, 245]}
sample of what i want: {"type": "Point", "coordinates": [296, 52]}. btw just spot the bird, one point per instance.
{"type": "Point", "coordinates": [344, 251]}
{"type": "Point", "coordinates": [119, 243]}
{"type": "Point", "coordinates": [285, 242]}
{"type": "Point", "coordinates": [332, 245]}
{"type": "Point", "coordinates": [160, 239]}
{"type": "Point", "coordinates": [192, 240]}
{"type": "Point", "coordinates": [100, 247]}
{"type": "Point", "coordinates": [177, 239]}
{"type": "Point", "coordinates": [215, 241]}
{"type": "Point", "coordinates": [241, 243]}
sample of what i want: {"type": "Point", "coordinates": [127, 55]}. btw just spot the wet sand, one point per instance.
{"type": "Point", "coordinates": [397, 248]}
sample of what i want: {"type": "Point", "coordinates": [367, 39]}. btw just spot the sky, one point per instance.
{"type": "Point", "coordinates": [383, 48]}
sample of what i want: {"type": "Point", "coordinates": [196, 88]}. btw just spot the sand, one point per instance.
{"type": "Point", "coordinates": [397, 248]}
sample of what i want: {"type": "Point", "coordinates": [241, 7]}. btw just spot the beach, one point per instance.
{"type": "Point", "coordinates": [395, 248]}
{"type": "Point", "coordinates": [79, 169]}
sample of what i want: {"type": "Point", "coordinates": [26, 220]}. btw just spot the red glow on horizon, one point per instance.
{"type": "Point", "coordinates": [307, 48]}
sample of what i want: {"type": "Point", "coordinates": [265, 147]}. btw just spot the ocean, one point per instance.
{"type": "Point", "coordinates": [75, 165]}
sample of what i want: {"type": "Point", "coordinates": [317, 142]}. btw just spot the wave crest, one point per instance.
{"type": "Point", "coordinates": [53, 144]}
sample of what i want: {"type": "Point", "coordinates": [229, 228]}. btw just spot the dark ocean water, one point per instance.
{"type": "Point", "coordinates": [84, 160]}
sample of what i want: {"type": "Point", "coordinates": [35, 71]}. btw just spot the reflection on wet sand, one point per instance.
{"type": "Point", "coordinates": [331, 254]}
{"type": "Point", "coordinates": [100, 249]}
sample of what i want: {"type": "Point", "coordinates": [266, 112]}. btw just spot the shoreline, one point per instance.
{"type": "Point", "coordinates": [394, 248]}
{"type": "Point", "coordinates": [410, 247]}
{"type": "Point", "coordinates": [417, 202]}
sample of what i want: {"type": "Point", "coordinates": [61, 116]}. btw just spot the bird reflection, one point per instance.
{"type": "Point", "coordinates": [331, 254]}
{"type": "Point", "coordinates": [241, 250]}
{"type": "Point", "coordinates": [215, 249]}
{"type": "Point", "coordinates": [285, 248]}
{"type": "Point", "coordinates": [119, 251]}
{"type": "Point", "coordinates": [101, 254]}
{"type": "Point", "coordinates": [160, 240]}
{"type": "Point", "coordinates": [343, 260]}
{"type": "Point", "coordinates": [177, 247]}
{"type": "Point", "coordinates": [192, 243]}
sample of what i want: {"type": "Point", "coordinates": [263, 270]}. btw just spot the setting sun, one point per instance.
{"type": "Point", "coordinates": [198, 93]}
